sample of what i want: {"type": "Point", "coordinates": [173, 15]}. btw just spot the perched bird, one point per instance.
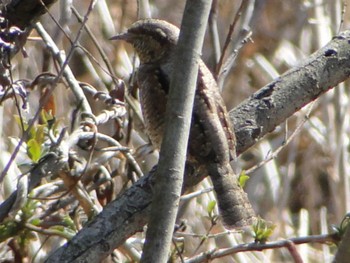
{"type": "Point", "coordinates": [212, 141]}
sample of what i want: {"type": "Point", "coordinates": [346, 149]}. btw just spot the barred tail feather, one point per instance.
{"type": "Point", "coordinates": [234, 206]}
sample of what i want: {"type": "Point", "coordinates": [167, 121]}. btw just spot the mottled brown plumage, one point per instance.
{"type": "Point", "coordinates": [212, 141]}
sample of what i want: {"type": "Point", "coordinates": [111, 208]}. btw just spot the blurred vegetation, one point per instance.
{"type": "Point", "coordinates": [302, 191]}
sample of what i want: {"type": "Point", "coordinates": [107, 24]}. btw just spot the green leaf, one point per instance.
{"type": "Point", "coordinates": [210, 207]}
{"type": "Point", "coordinates": [35, 222]}
{"type": "Point", "coordinates": [69, 222]}
{"type": "Point", "coordinates": [40, 134]}
{"type": "Point", "coordinates": [9, 229]}
{"type": "Point", "coordinates": [63, 231]}
{"type": "Point", "coordinates": [263, 230]}
{"type": "Point", "coordinates": [243, 178]}
{"type": "Point", "coordinates": [28, 210]}
{"type": "Point", "coordinates": [34, 150]}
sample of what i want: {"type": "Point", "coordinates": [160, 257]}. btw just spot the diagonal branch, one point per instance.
{"type": "Point", "coordinates": [278, 100]}
{"type": "Point", "coordinates": [253, 118]}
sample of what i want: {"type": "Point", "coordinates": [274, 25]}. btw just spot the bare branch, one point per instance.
{"type": "Point", "coordinates": [287, 243]}
{"type": "Point", "coordinates": [253, 119]}
{"type": "Point", "coordinates": [172, 158]}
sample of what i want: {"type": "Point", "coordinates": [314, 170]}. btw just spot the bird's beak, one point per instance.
{"type": "Point", "coordinates": [123, 36]}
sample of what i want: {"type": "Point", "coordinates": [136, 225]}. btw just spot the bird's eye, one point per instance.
{"type": "Point", "coordinates": [161, 32]}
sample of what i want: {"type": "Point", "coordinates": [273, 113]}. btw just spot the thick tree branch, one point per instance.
{"type": "Point", "coordinates": [343, 253]}
{"type": "Point", "coordinates": [171, 167]}
{"type": "Point", "coordinates": [253, 118]}
{"type": "Point", "coordinates": [274, 103]}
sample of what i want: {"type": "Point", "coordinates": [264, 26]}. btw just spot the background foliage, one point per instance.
{"type": "Point", "coordinates": [302, 190]}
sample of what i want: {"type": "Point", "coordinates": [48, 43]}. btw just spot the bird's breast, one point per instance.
{"type": "Point", "coordinates": [154, 87]}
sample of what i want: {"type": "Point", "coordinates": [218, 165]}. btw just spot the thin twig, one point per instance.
{"type": "Point", "coordinates": [274, 154]}
{"type": "Point", "coordinates": [218, 253]}
{"type": "Point", "coordinates": [229, 36]}
{"type": "Point", "coordinates": [213, 30]}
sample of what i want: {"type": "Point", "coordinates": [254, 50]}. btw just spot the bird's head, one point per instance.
{"type": "Point", "coordinates": [153, 39]}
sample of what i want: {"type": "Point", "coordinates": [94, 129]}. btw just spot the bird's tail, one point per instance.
{"type": "Point", "coordinates": [233, 202]}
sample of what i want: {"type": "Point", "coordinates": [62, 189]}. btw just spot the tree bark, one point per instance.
{"type": "Point", "coordinates": [171, 165]}
{"type": "Point", "coordinates": [343, 253]}
{"type": "Point", "coordinates": [253, 118]}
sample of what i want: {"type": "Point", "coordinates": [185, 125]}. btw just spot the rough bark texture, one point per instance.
{"type": "Point", "coordinates": [253, 118]}
{"type": "Point", "coordinates": [172, 158]}
{"type": "Point", "coordinates": [343, 253]}
{"type": "Point", "coordinates": [269, 106]}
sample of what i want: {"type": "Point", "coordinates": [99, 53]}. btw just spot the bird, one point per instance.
{"type": "Point", "coordinates": [212, 141]}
